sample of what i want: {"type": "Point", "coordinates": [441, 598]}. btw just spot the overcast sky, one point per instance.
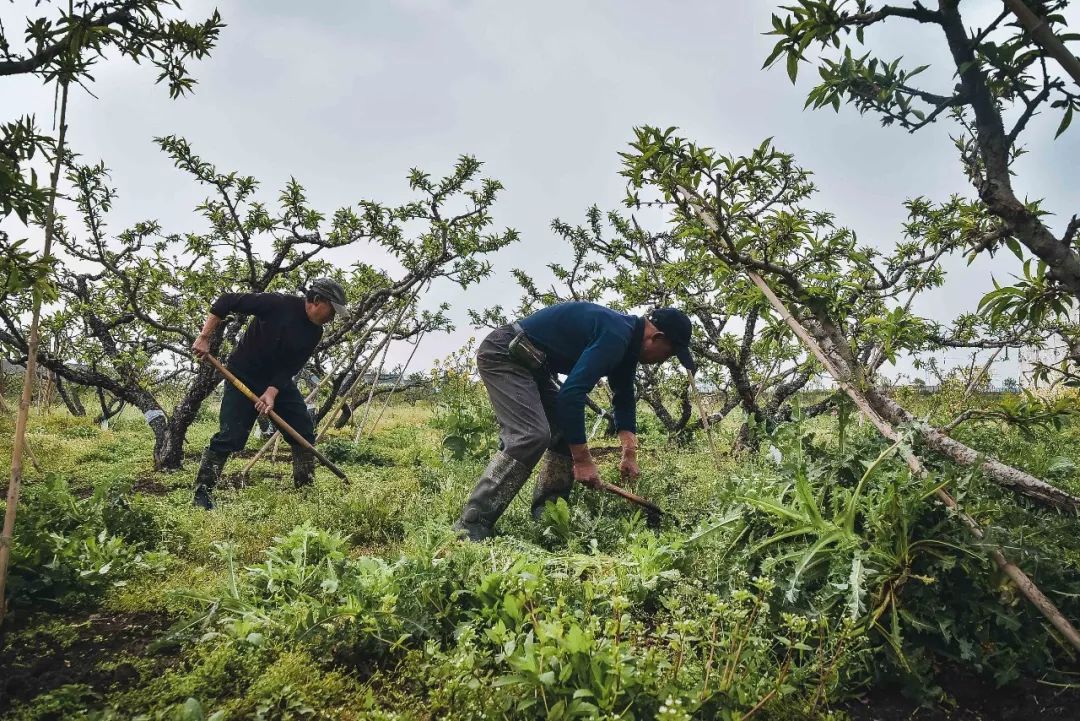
{"type": "Point", "coordinates": [347, 96]}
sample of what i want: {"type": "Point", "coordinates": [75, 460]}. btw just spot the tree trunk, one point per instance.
{"type": "Point", "coordinates": [832, 345]}
{"type": "Point", "coordinates": [953, 449]}
{"type": "Point", "coordinates": [995, 187]}
{"type": "Point", "coordinates": [169, 453]}
{"type": "Point", "coordinates": [70, 397]}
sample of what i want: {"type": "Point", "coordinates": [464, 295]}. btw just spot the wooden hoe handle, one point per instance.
{"type": "Point", "coordinates": [632, 497]}
{"type": "Point", "coordinates": [285, 427]}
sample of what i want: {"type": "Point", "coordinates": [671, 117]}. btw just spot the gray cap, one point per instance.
{"type": "Point", "coordinates": [332, 291]}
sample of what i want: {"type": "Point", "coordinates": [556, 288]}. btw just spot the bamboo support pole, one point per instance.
{"type": "Point", "coordinates": [358, 348]}
{"type": "Point", "coordinates": [19, 444]}
{"type": "Point", "coordinates": [378, 373]}
{"type": "Point", "coordinates": [397, 384]}
{"type": "Point", "coordinates": [340, 404]}
{"type": "Point", "coordinates": [374, 385]}
{"type": "Point", "coordinates": [332, 416]}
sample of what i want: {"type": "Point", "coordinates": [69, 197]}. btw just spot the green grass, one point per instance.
{"type": "Point", "coordinates": [586, 614]}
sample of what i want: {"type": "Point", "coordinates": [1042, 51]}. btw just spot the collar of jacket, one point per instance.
{"type": "Point", "coordinates": [633, 351]}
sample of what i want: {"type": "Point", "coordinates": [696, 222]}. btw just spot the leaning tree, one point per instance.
{"type": "Point", "coordinates": [751, 214]}
{"type": "Point", "coordinates": [999, 75]}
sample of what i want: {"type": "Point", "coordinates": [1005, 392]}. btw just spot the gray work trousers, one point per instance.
{"type": "Point", "coordinates": [524, 401]}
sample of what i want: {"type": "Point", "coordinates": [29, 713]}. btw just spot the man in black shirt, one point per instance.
{"type": "Point", "coordinates": [277, 343]}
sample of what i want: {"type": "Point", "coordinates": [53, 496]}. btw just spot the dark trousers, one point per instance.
{"type": "Point", "coordinates": [524, 401]}
{"type": "Point", "coordinates": [238, 415]}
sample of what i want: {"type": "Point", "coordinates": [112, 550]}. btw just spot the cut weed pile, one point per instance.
{"type": "Point", "coordinates": [818, 586]}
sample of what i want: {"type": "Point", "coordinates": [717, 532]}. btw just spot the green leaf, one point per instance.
{"type": "Point", "coordinates": [1065, 120]}
{"type": "Point", "coordinates": [192, 710]}
{"type": "Point", "coordinates": [1014, 246]}
{"type": "Point", "coordinates": [457, 446]}
{"type": "Point", "coordinates": [793, 66]}
{"type": "Point", "coordinates": [809, 557]}
{"type": "Point", "coordinates": [806, 497]}
{"type": "Point", "coordinates": [855, 586]}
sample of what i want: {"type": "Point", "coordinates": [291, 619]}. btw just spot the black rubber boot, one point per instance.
{"type": "Point", "coordinates": [202, 498]}
{"type": "Point", "coordinates": [303, 467]}
{"type": "Point", "coordinates": [555, 481]}
{"type": "Point", "coordinates": [501, 481]}
{"type": "Point", "coordinates": [207, 477]}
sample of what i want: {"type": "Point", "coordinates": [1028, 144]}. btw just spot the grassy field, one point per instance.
{"type": "Point", "coordinates": [822, 586]}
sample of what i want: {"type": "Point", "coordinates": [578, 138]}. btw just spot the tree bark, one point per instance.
{"type": "Point", "coordinates": [70, 397]}
{"type": "Point", "coordinates": [999, 472]}
{"type": "Point", "coordinates": [170, 438]}
{"type": "Point", "coordinates": [995, 187]}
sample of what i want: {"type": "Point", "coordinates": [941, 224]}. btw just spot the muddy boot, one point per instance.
{"type": "Point", "coordinates": [303, 467]}
{"type": "Point", "coordinates": [207, 477]}
{"type": "Point", "coordinates": [555, 481]}
{"type": "Point", "coordinates": [501, 481]}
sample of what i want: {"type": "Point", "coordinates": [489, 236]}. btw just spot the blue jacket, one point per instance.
{"type": "Point", "coordinates": [586, 342]}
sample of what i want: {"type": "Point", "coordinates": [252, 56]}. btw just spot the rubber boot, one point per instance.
{"type": "Point", "coordinates": [207, 477]}
{"type": "Point", "coordinates": [303, 467]}
{"type": "Point", "coordinates": [555, 481]}
{"type": "Point", "coordinates": [498, 485]}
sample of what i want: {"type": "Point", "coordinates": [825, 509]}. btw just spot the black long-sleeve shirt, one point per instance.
{"type": "Point", "coordinates": [278, 341]}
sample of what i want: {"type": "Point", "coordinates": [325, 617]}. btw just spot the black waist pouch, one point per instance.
{"type": "Point", "coordinates": [525, 352]}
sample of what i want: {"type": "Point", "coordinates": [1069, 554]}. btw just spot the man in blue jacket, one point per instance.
{"type": "Point", "coordinates": [518, 362]}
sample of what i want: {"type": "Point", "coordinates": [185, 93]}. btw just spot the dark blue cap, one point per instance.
{"type": "Point", "coordinates": [678, 328]}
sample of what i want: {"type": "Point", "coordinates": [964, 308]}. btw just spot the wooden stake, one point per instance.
{"type": "Point", "coordinates": [19, 445]}
{"type": "Point", "coordinates": [397, 383]}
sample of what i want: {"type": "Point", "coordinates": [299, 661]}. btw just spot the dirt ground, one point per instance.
{"type": "Point", "coordinates": [36, 662]}
{"type": "Point", "coordinates": [972, 698]}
